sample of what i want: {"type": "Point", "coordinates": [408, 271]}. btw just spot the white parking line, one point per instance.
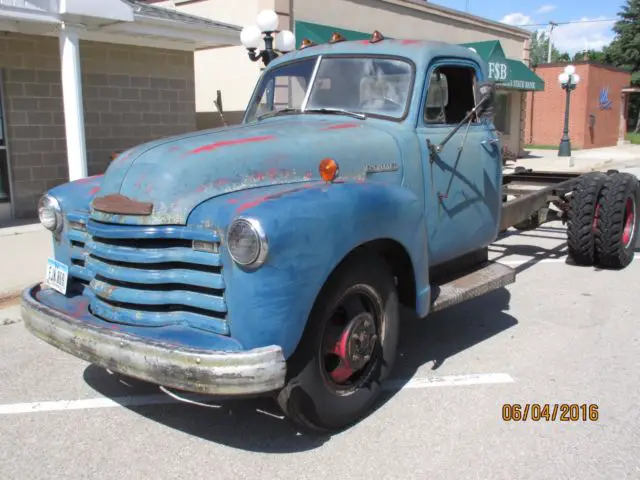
{"type": "Point", "coordinates": [162, 399]}
{"type": "Point", "coordinates": [544, 260]}
{"type": "Point", "coordinates": [452, 381]}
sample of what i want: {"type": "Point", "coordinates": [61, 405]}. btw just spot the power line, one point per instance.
{"type": "Point", "coordinates": [567, 23]}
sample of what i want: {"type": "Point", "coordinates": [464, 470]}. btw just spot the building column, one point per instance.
{"type": "Point", "coordinates": [622, 127]}
{"type": "Point", "coordinates": [72, 101]}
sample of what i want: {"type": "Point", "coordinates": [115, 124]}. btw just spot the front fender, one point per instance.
{"type": "Point", "coordinates": [310, 227]}
{"type": "Point", "coordinates": [74, 198]}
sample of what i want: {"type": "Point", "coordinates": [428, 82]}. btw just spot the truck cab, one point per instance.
{"type": "Point", "coordinates": [272, 257]}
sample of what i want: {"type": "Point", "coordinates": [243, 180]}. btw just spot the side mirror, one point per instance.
{"type": "Point", "coordinates": [487, 95]}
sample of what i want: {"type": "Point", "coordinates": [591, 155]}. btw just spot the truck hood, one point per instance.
{"type": "Point", "coordinates": [160, 182]}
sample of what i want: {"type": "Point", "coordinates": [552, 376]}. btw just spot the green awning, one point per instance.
{"type": "Point", "coordinates": [322, 33]}
{"type": "Point", "coordinates": [506, 72]}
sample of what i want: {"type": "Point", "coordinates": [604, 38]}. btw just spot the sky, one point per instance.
{"type": "Point", "coordinates": [566, 38]}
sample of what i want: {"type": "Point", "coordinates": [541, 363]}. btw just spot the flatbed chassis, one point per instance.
{"type": "Point", "coordinates": [533, 192]}
{"type": "Point", "coordinates": [473, 274]}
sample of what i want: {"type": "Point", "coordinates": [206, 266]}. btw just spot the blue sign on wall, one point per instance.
{"type": "Point", "coordinates": [605, 102]}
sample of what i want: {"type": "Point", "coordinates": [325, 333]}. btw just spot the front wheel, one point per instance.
{"type": "Point", "coordinates": [348, 347]}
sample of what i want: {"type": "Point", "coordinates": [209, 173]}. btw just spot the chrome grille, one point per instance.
{"type": "Point", "coordinates": [153, 276]}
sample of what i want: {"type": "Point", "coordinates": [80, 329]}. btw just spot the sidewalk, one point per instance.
{"type": "Point", "coordinates": [24, 251]}
{"type": "Point", "coordinates": [592, 159]}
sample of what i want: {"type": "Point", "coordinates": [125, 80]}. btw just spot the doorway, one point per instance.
{"type": "Point", "coordinates": [5, 193]}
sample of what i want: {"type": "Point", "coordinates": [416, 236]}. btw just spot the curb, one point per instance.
{"type": "Point", "coordinates": [20, 230]}
{"type": "Point", "coordinates": [10, 299]}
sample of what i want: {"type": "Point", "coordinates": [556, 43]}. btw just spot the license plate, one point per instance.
{"type": "Point", "coordinates": [57, 274]}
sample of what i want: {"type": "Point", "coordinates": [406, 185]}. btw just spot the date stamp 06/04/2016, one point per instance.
{"type": "Point", "coordinates": [550, 412]}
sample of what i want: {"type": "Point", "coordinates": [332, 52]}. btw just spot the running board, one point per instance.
{"type": "Point", "coordinates": [487, 277]}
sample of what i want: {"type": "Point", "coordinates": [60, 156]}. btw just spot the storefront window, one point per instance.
{"type": "Point", "coordinates": [501, 113]}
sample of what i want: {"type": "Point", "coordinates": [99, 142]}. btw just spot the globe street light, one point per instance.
{"type": "Point", "coordinates": [569, 80]}
{"type": "Point", "coordinates": [267, 25]}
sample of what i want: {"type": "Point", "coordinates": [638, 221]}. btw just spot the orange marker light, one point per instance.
{"type": "Point", "coordinates": [328, 169]}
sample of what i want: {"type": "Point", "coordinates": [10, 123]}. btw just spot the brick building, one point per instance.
{"type": "Point", "coordinates": [595, 106]}
{"type": "Point", "coordinates": [77, 85]}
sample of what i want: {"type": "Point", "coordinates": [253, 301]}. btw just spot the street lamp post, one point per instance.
{"type": "Point", "coordinates": [569, 80]}
{"type": "Point", "coordinates": [267, 25]}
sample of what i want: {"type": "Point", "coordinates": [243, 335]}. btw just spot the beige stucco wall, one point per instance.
{"type": "Point", "coordinates": [227, 69]}
{"type": "Point", "coordinates": [400, 21]}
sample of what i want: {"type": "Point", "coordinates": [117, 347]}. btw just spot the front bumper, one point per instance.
{"type": "Point", "coordinates": [226, 373]}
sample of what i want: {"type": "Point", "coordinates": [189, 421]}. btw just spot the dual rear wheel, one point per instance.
{"type": "Point", "coordinates": [602, 227]}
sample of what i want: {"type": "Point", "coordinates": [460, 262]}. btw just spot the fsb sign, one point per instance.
{"type": "Point", "coordinates": [498, 71]}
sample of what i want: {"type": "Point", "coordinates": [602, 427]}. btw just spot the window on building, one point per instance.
{"type": "Point", "coordinates": [501, 113]}
{"type": "Point", "coordinates": [440, 106]}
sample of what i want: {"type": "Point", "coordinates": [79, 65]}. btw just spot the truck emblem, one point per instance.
{"type": "Point", "coordinates": [381, 167]}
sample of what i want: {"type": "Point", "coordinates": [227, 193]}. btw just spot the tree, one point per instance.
{"type": "Point", "coordinates": [624, 51]}
{"type": "Point", "coordinates": [540, 50]}
{"type": "Point", "coordinates": [598, 56]}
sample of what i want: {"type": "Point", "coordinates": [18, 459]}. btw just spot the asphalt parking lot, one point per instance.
{"type": "Point", "coordinates": [560, 335]}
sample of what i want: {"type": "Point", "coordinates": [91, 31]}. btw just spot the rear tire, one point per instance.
{"type": "Point", "coordinates": [583, 218]}
{"type": "Point", "coordinates": [319, 398]}
{"type": "Point", "coordinates": [618, 221]}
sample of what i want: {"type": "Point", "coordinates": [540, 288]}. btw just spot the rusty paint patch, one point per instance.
{"type": "Point", "coordinates": [93, 191]}
{"type": "Point", "coordinates": [251, 204]}
{"type": "Point", "coordinates": [409, 42]}
{"type": "Point", "coordinates": [341, 126]}
{"type": "Point", "coordinates": [229, 143]}
{"type": "Point", "coordinates": [119, 204]}
{"type": "Point", "coordinates": [259, 176]}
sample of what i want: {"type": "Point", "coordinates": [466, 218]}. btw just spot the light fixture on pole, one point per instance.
{"type": "Point", "coordinates": [267, 26]}
{"type": "Point", "coordinates": [569, 80]}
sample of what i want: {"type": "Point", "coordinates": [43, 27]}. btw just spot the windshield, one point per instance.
{"type": "Point", "coordinates": [377, 86]}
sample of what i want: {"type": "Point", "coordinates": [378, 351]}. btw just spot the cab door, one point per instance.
{"type": "Point", "coordinates": [463, 181]}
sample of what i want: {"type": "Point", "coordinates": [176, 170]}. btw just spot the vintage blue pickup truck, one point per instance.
{"type": "Point", "coordinates": [272, 257]}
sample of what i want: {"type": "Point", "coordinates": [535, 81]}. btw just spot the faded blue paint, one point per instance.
{"type": "Point", "coordinates": [178, 175]}
{"type": "Point", "coordinates": [268, 170]}
{"type": "Point", "coordinates": [310, 230]}
{"type": "Point", "coordinates": [171, 335]}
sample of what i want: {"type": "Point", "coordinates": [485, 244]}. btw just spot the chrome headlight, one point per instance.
{"type": "Point", "coordinates": [50, 213]}
{"type": "Point", "coordinates": [247, 242]}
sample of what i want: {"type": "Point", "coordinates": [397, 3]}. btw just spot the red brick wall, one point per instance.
{"type": "Point", "coordinates": [605, 132]}
{"type": "Point", "coordinates": [545, 110]}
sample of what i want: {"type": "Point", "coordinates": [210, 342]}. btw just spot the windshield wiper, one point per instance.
{"type": "Point", "coordinates": [277, 112]}
{"type": "Point", "coordinates": [336, 111]}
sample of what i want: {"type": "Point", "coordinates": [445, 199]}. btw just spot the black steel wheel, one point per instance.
{"type": "Point", "coordinates": [348, 347]}
{"type": "Point", "coordinates": [583, 217]}
{"type": "Point", "coordinates": [617, 229]}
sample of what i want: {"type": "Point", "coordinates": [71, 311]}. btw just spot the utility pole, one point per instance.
{"type": "Point", "coordinates": [467, 7]}
{"type": "Point", "coordinates": [552, 25]}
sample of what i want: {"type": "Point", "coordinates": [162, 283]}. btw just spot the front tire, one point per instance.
{"type": "Point", "coordinates": [618, 221]}
{"type": "Point", "coordinates": [347, 349]}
